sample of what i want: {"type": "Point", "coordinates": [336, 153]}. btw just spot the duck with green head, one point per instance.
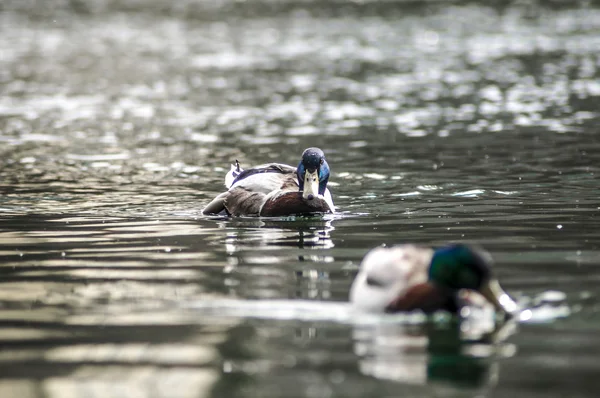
{"type": "Point", "coordinates": [409, 277]}
{"type": "Point", "coordinates": [275, 189]}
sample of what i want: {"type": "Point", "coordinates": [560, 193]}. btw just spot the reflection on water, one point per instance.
{"type": "Point", "coordinates": [432, 353]}
{"type": "Point", "coordinates": [441, 122]}
{"type": "Point", "coordinates": [303, 233]}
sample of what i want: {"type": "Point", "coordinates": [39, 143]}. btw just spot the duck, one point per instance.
{"type": "Point", "coordinates": [276, 189]}
{"type": "Point", "coordinates": [409, 277]}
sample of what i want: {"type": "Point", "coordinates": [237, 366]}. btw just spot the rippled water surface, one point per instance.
{"type": "Point", "coordinates": [441, 122]}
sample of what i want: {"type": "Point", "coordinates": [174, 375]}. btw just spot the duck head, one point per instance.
{"type": "Point", "coordinates": [466, 267]}
{"type": "Point", "coordinates": [313, 173]}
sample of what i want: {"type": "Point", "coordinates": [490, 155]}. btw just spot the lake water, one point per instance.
{"type": "Point", "coordinates": [441, 122]}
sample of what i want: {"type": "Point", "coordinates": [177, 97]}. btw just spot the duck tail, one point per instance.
{"type": "Point", "coordinates": [217, 206]}
{"type": "Point", "coordinates": [234, 171]}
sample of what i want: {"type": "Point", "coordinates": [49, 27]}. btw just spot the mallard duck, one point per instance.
{"type": "Point", "coordinates": [409, 277]}
{"type": "Point", "coordinates": [274, 189]}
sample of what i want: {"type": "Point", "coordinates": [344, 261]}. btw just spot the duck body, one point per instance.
{"type": "Point", "coordinates": [410, 277]}
{"type": "Point", "coordinates": [275, 189]}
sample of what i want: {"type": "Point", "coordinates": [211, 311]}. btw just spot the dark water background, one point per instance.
{"type": "Point", "coordinates": [441, 121]}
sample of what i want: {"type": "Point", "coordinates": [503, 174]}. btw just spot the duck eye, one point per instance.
{"type": "Point", "coordinates": [321, 161]}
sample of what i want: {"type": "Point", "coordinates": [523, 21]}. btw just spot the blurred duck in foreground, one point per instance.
{"type": "Point", "coordinates": [409, 277]}
{"type": "Point", "coordinates": [275, 190]}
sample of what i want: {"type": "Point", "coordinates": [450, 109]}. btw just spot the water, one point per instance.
{"type": "Point", "coordinates": [440, 123]}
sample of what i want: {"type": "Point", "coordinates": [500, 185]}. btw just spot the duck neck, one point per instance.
{"type": "Point", "coordinates": [323, 185]}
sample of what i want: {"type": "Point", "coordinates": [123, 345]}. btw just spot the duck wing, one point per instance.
{"type": "Point", "coordinates": [236, 202]}
{"type": "Point", "coordinates": [239, 201]}
{"type": "Point", "coordinates": [386, 274]}
{"type": "Point", "coordinates": [267, 178]}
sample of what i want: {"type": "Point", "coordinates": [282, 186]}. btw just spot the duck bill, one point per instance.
{"type": "Point", "coordinates": [311, 185]}
{"type": "Point", "coordinates": [493, 293]}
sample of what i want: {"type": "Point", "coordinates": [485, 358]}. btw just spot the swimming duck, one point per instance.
{"type": "Point", "coordinates": [274, 189]}
{"type": "Point", "coordinates": [409, 277]}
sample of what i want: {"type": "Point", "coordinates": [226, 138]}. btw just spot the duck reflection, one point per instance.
{"type": "Point", "coordinates": [271, 258]}
{"type": "Point", "coordinates": [252, 235]}
{"type": "Point", "coordinates": [459, 353]}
